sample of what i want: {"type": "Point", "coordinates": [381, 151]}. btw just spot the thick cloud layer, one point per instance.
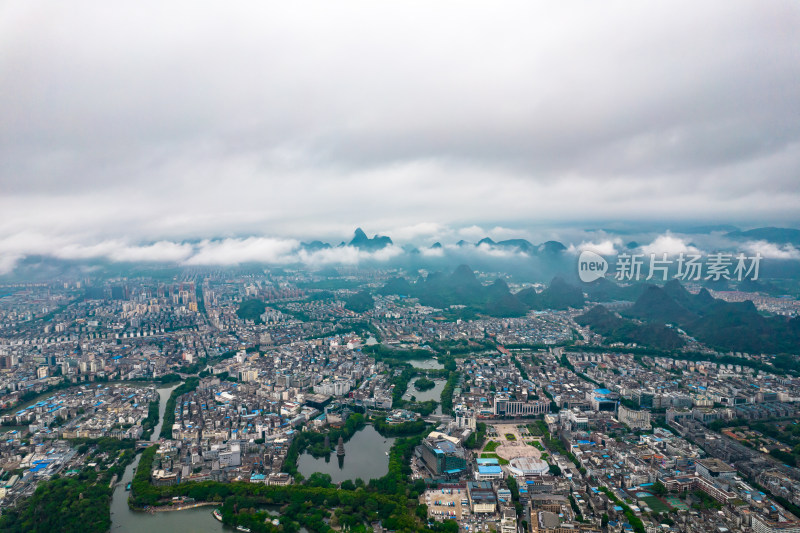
{"type": "Point", "coordinates": [162, 121]}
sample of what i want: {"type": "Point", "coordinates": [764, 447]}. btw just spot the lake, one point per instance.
{"type": "Point", "coordinates": [426, 364]}
{"type": "Point", "coordinates": [423, 396]}
{"type": "Point", "coordinates": [365, 457]}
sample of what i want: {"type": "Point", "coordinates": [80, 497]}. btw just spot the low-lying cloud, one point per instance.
{"type": "Point", "coordinates": [224, 252]}
{"type": "Point", "coordinates": [605, 247]}
{"type": "Point", "coordinates": [671, 245]}
{"type": "Point", "coordinates": [233, 251]}
{"type": "Point", "coordinates": [771, 250]}
{"type": "Point", "coordinates": [165, 122]}
{"type": "Point", "coordinates": [237, 251]}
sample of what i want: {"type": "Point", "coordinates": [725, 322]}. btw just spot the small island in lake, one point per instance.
{"type": "Point", "coordinates": [424, 383]}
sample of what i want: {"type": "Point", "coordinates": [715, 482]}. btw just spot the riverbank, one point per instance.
{"type": "Point", "coordinates": [121, 515]}
{"type": "Point", "coordinates": [167, 509]}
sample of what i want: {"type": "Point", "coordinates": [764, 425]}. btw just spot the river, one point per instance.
{"type": "Point", "coordinates": [123, 519]}
{"type": "Point", "coordinates": [366, 457]}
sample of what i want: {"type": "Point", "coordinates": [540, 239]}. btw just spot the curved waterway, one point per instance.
{"type": "Point", "coordinates": [197, 520]}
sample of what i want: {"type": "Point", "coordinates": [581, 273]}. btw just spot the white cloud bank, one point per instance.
{"type": "Point", "coordinates": [771, 250]}
{"type": "Point", "coordinates": [166, 122]}
{"type": "Point", "coordinates": [669, 244]}
{"type": "Point", "coordinates": [236, 251]}
{"type": "Point", "coordinates": [224, 252]}
{"type": "Point", "coordinates": [157, 121]}
{"type": "Point", "coordinates": [280, 251]}
{"type": "Point", "coordinates": [605, 247]}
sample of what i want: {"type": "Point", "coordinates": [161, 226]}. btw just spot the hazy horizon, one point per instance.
{"type": "Point", "coordinates": [128, 131]}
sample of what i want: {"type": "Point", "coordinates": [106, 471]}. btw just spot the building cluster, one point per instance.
{"type": "Point", "coordinates": [540, 436]}
{"type": "Point", "coordinates": [33, 462]}
{"type": "Point", "coordinates": [36, 439]}
{"type": "Point", "coordinates": [595, 459]}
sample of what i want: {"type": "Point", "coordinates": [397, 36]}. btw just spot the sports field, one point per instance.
{"type": "Point", "coordinates": [677, 503]}
{"type": "Point", "coordinates": [656, 504]}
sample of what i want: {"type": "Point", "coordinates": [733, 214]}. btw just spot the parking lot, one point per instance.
{"type": "Point", "coordinates": [444, 503]}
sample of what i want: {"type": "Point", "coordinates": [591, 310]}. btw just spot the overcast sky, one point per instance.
{"type": "Point", "coordinates": [141, 121]}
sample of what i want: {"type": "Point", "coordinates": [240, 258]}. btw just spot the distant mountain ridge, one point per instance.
{"type": "Point", "coordinates": [656, 305]}
{"type": "Point", "coordinates": [724, 326]}
{"type": "Point", "coordinates": [769, 234]}
{"type": "Point", "coordinates": [559, 295]}
{"type": "Point", "coordinates": [362, 242]}
{"type": "Point", "coordinates": [731, 326]}
{"type": "Point", "coordinates": [523, 245]}
{"type": "Point", "coordinates": [617, 329]}
{"type": "Point", "coordinates": [604, 290]}
{"type": "Point", "coordinates": [461, 287]}
{"type": "Point", "coordinates": [313, 246]}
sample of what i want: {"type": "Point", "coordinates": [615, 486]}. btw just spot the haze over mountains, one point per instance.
{"type": "Point", "coordinates": [462, 288]}
{"type": "Point", "coordinates": [442, 248]}
{"type": "Point", "coordinates": [733, 326]}
{"type": "Point", "coordinates": [652, 320]}
{"type": "Point", "coordinates": [448, 283]}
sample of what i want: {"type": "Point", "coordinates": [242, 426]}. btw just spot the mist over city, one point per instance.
{"type": "Point", "coordinates": [460, 267]}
